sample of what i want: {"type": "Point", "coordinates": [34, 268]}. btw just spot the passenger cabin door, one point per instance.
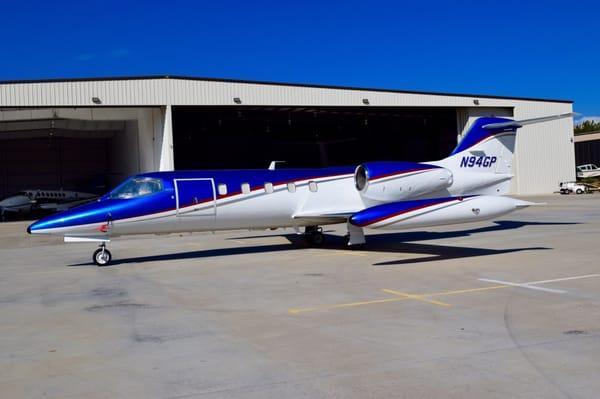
{"type": "Point", "coordinates": [195, 197]}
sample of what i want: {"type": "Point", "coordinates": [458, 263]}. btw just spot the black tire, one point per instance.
{"type": "Point", "coordinates": [579, 191]}
{"type": "Point", "coordinates": [316, 239]}
{"type": "Point", "coordinates": [102, 257]}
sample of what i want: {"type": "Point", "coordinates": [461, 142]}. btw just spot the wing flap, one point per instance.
{"type": "Point", "coordinates": [326, 215]}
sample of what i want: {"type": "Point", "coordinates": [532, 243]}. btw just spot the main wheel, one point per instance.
{"type": "Point", "coordinates": [579, 191]}
{"type": "Point", "coordinates": [315, 239]}
{"type": "Point", "coordinates": [101, 257]}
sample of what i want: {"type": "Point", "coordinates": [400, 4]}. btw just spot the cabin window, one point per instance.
{"type": "Point", "coordinates": [137, 187]}
{"type": "Point", "coordinates": [268, 188]}
{"type": "Point", "coordinates": [222, 189]}
{"type": "Point", "coordinates": [245, 188]}
{"type": "Point", "coordinates": [312, 186]}
{"type": "Point", "coordinates": [291, 187]}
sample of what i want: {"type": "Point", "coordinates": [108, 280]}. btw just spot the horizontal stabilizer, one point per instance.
{"type": "Point", "coordinates": [521, 123]}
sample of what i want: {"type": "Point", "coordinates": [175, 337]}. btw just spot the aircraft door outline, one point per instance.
{"type": "Point", "coordinates": [190, 191]}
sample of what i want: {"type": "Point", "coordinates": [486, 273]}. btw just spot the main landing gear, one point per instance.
{"type": "Point", "coordinates": [102, 256]}
{"type": "Point", "coordinates": [355, 239]}
{"type": "Point", "coordinates": [314, 236]}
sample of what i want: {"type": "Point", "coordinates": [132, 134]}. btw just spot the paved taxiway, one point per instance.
{"type": "Point", "coordinates": [504, 309]}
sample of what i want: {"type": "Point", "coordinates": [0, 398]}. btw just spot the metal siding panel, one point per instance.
{"type": "Point", "coordinates": [544, 152]}
{"type": "Point", "coordinates": [188, 92]}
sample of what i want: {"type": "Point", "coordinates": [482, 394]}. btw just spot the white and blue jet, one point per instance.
{"type": "Point", "coordinates": [467, 186]}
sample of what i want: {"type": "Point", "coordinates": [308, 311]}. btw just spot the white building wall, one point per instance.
{"type": "Point", "coordinates": [545, 152]}
{"type": "Point", "coordinates": [161, 92]}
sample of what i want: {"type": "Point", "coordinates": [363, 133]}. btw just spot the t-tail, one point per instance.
{"type": "Point", "coordinates": [482, 162]}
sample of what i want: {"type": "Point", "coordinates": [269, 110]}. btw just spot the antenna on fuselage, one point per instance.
{"type": "Point", "coordinates": [273, 164]}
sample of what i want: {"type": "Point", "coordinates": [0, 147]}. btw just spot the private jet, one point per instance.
{"type": "Point", "coordinates": [467, 186]}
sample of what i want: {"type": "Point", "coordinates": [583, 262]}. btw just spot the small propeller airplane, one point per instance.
{"type": "Point", "coordinates": [26, 201]}
{"type": "Point", "coordinates": [467, 186]}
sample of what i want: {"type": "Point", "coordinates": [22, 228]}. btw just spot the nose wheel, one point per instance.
{"type": "Point", "coordinates": [102, 256]}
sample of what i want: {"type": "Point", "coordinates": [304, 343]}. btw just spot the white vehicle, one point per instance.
{"type": "Point", "coordinates": [572, 187]}
{"type": "Point", "coordinates": [588, 170]}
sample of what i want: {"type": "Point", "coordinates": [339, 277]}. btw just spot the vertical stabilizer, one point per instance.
{"type": "Point", "coordinates": [482, 163]}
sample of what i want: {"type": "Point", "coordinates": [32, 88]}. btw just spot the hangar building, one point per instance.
{"type": "Point", "coordinates": [75, 132]}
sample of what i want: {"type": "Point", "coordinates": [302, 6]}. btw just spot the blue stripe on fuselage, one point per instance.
{"type": "Point", "coordinates": [115, 209]}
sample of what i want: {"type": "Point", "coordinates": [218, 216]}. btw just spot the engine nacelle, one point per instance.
{"type": "Point", "coordinates": [380, 182]}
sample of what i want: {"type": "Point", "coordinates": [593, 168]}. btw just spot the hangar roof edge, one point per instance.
{"type": "Point", "coordinates": [259, 82]}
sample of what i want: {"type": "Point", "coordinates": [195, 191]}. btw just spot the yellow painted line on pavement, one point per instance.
{"type": "Point", "coordinates": [416, 297]}
{"type": "Point", "coordinates": [344, 305]}
{"type": "Point", "coordinates": [466, 291]}
{"type": "Point", "coordinates": [401, 296]}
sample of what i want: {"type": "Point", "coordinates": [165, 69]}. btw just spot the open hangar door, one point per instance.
{"type": "Point", "coordinates": [251, 137]}
{"type": "Point", "coordinates": [75, 155]}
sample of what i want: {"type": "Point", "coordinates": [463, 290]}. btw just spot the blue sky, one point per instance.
{"type": "Point", "coordinates": [547, 49]}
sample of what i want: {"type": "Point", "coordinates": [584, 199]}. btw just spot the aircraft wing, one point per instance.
{"type": "Point", "coordinates": [328, 216]}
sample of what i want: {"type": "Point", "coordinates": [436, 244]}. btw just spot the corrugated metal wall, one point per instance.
{"type": "Point", "coordinates": [144, 92]}
{"type": "Point", "coordinates": [545, 154]}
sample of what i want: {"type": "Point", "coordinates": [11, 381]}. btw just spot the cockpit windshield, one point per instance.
{"type": "Point", "coordinates": [137, 187]}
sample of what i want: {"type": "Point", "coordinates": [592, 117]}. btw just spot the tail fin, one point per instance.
{"type": "Point", "coordinates": [488, 146]}
{"type": "Point", "coordinates": [482, 161]}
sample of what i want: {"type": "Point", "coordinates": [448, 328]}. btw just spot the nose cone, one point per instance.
{"type": "Point", "coordinates": [45, 225]}
{"type": "Point", "coordinates": [84, 219]}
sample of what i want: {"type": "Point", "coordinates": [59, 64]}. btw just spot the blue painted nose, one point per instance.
{"type": "Point", "coordinates": [31, 229]}
{"type": "Point", "coordinates": [45, 225]}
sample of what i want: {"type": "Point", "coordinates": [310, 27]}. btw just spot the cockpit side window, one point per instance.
{"type": "Point", "coordinates": [137, 187]}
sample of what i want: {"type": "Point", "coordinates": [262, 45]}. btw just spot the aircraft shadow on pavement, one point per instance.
{"type": "Point", "coordinates": [402, 242]}
{"type": "Point", "coordinates": [405, 236]}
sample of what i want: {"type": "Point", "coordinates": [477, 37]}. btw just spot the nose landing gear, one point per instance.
{"type": "Point", "coordinates": [102, 256]}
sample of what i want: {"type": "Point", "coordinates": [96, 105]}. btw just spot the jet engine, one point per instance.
{"type": "Point", "coordinates": [380, 182]}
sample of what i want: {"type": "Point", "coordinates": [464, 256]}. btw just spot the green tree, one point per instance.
{"type": "Point", "coordinates": [587, 126]}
